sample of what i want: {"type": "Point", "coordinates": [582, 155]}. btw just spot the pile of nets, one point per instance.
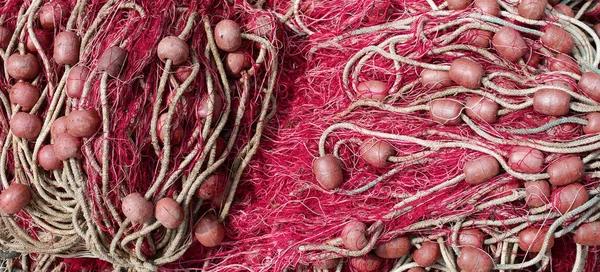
{"type": "Point", "coordinates": [364, 98]}
{"type": "Point", "coordinates": [357, 136]}
{"type": "Point", "coordinates": [122, 125]}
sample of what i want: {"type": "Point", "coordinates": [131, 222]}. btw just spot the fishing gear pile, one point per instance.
{"type": "Point", "coordinates": [125, 128]}
{"type": "Point", "coordinates": [271, 135]}
{"type": "Point", "coordinates": [438, 135]}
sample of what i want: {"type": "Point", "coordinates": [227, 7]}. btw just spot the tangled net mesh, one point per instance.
{"type": "Point", "coordinates": [218, 120]}
{"type": "Point", "coordinates": [300, 100]}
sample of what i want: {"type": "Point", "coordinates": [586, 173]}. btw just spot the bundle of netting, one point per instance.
{"type": "Point", "coordinates": [433, 136]}
{"type": "Point", "coordinates": [126, 126]}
